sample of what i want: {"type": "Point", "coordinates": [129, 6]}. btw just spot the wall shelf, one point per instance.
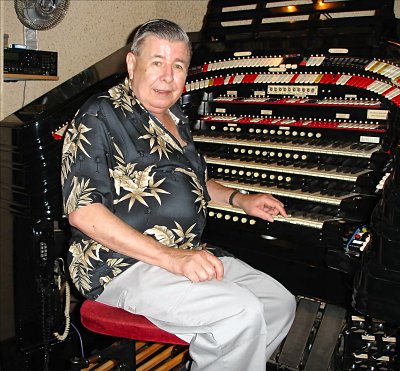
{"type": "Point", "coordinates": [21, 77]}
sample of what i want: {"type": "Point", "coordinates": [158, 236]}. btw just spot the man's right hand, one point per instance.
{"type": "Point", "coordinates": [196, 265]}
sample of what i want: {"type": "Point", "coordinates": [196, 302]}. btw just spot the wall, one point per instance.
{"type": "Point", "coordinates": [90, 31]}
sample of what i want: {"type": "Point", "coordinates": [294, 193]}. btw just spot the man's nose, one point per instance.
{"type": "Point", "coordinates": [168, 73]}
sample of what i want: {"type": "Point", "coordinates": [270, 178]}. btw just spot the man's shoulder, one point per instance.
{"type": "Point", "coordinates": [111, 99]}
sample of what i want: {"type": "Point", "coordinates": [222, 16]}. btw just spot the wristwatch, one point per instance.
{"type": "Point", "coordinates": [234, 193]}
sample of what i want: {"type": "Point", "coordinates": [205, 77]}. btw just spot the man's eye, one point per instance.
{"type": "Point", "coordinates": [157, 63]}
{"type": "Point", "coordinates": [179, 67]}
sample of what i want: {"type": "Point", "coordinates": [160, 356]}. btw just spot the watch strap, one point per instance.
{"type": "Point", "coordinates": [232, 196]}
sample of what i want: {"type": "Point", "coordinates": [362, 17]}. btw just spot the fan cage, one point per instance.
{"type": "Point", "coordinates": [36, 15]}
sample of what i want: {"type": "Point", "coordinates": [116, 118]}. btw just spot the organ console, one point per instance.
{"type": "Point", "coordinates": [319, 140]}
{"type": "Point", "coordinates": [306, 110]}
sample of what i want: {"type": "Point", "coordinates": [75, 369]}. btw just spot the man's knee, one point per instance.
{"type": "Point", "coordinates": [251, 315]}
{"type": "Point", "coordinates": [288, 306]}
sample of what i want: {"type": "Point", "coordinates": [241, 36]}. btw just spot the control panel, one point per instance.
{"type": "Point", "coordinates": [30, 62]}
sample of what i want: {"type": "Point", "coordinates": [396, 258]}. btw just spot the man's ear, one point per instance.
{"type": "Point", "coordinates": [130, 64]}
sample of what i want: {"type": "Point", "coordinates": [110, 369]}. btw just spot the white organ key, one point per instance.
{"type": "Point", "coordinates": [301, 78]}
{"type": "Point", "coordinates": [213, 66]}
{"type": "Point", "coordinates": [264, 62]}
{"type": "Point", "coordinates": [310, 61]}
{"type": "Point", "coordinates": [269, 78]}
{"type": "Point", "coordinates": [225, 64]}
{"type": "Point", "coordinates": [343, 79]}
{"type": "Point", "coordinates": [320, 60]}
{"type": "Point", "coordinates": [281, 78]}
{"type": "Point", "coordinates": [275, 78]}
{"type": "Point", "coordinates": [393, 94]}
{"type": "Point", "coordinates": [387, 70]}
{"type": "Point", "coordinates": [237, 79]}
{"type": "Point", "coordinates": [288, 77]}
{"type": "Point", "coordinates": [259, 78]}
{"type": "Point", "coordinates": [263, 77]}
{"type": "Point", "coordinates": [316, 77]}
{"type": "Point", "coordinates": [250, 62]}
{"type": "Point", "coordinates": [369, 65]}
{"type": "Point", "coordinates": [235, 63]}
{"type": "Point", "coordinates": [384, 86]}
{"type": "Point", "coordinates": [395, 71]}
{"type": "Point", "coordinates": [310, 78]}
{"type": "Point", "coordinates": [373, 86]}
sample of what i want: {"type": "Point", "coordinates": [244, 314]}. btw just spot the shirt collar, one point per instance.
{"type": "Point", "coordinates": [176, 111]}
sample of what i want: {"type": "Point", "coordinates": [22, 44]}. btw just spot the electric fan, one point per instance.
{"type": "Point", "coordinates": [41, 14]}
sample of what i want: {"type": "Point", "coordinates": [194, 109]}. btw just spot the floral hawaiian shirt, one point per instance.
{"type": "Point", "coordinates": [118, 154]}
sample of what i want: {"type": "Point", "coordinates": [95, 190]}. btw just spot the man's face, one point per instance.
{"type": "Point", "coordinates": [158, 73]}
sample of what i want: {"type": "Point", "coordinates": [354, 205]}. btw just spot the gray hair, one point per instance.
{"type": "Point", "coordinates": [162, 29]}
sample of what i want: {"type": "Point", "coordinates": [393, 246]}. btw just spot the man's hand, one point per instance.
{"type": "Point", "coordinates": [264, 206]}
{"type": "Point", "coordinates": [196, 265]}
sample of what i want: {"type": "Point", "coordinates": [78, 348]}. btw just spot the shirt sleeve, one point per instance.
{"type": "Point", "coordinates": [86, 160]}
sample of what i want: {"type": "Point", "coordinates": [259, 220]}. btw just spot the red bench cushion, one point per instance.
{"type": "Point", "coordinates": [117, 322]}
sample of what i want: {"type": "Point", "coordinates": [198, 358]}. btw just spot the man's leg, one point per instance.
{"type": "Point", "coordinates": [279, 304]}
{"type": "Point", "coordinates": [223, 321]}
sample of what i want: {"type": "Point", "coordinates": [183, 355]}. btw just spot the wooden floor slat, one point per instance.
{"type": "Point", "coordinates": [173, 362]}
{"type": "Point", "coordinates": [156, 360]}
{"type": "Point", "coordinates": [145, 353]}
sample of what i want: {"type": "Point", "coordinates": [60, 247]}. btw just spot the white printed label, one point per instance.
{"type": "Point", "coordinates": [259, 92]}
{"type": "Point", "coordinates": [365, 139]}
{"type": "Point", "coordinates": [342, 115]}
{"type": "Point", "coordinates": [231, 93]}
{"type": "Point", "coordinates": [376, 114]}
{"type": "Point", "coordinates": [266, 112]}
{"type": "Point", "coordinates": [220, 110]}
{"type": "Point", "coordinates": [368, 337]}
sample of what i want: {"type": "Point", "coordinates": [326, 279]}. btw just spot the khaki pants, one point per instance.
{"type": "Point", "coordinates": [231, 325]}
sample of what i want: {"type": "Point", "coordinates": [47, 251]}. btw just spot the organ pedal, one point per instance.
{"type": "Point", "coordinates": [312, 340]}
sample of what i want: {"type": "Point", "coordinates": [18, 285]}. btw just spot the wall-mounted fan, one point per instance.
{"type": "Point", "coordinates": [40, 14]}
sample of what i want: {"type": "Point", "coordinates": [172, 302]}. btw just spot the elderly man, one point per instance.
{"type": "Point", "coordinates": [135, 191]}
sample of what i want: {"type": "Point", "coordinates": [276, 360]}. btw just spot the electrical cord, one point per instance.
{"type": "Point", "coordinates": [59, 274]}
